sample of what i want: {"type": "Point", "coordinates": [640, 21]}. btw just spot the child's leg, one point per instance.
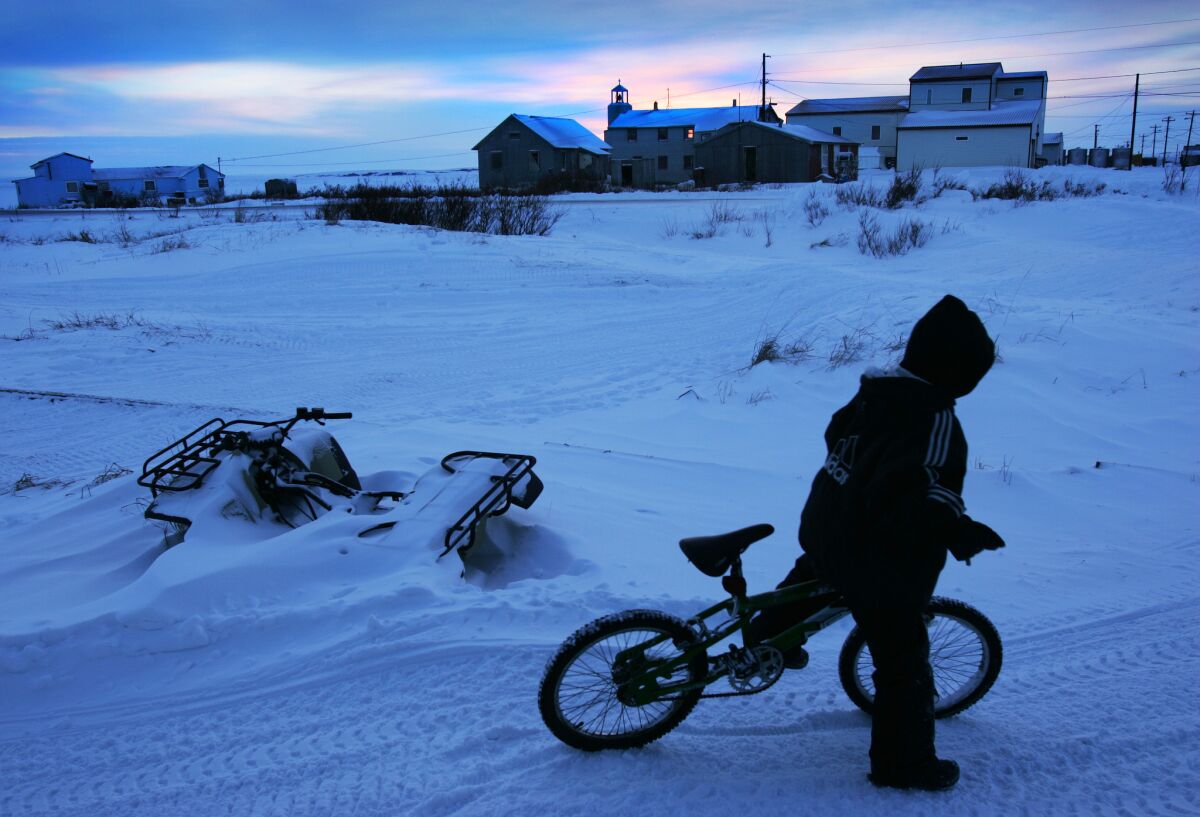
{"type": "Point", "coordinates": [902, 728]}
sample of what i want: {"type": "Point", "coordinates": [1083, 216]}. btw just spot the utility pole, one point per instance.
{"type": "Point", "coordinates": [762, 111]}
{"type": "Point", "coordinates": [1166, 137]}
{"type": "Point", "coordinates": [1154, 141]}
{"type": "Point", "coordinates": [218, 164]}
{"type": "Point", "coordinates": [1142, 149]}
{"type": "Point", "coordinates": [1095, 136]}
{"type": "Point", "coordinates": [1191, 121]}
{"type": "Point", "coordinates": [1133, 128]}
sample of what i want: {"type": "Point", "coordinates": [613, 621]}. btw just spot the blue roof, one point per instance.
{"type": "Point", "coordinates": [702, 119]}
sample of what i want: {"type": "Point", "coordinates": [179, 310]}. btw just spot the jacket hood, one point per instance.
{"type": "Point", "coordinates": [949, 347]}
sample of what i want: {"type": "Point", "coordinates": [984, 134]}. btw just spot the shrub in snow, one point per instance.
{"type": "Point", "coordinates": [815, 210]}
{"type": "Point", "coordinates": [1175, 179]}
{"type": "Point", "coordinates": [857, 195]}
{"type": "Point", "coordinates": [904, 187]}
{"type": "Point", "coordinates": [909, 234]}
{"type": "Point", "coordinates": [454, 208]}
{"type": "Point", "coordinates": [1017, 186]}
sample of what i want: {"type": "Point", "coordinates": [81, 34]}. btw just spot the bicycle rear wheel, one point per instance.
{"type": "Point", "coordinates": [579, 697]}
{"type": "Point", "coordinates": [964, 652]}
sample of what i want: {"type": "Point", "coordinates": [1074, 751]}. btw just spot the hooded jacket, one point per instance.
{"type": "Point", "coordinates": [887, 502]}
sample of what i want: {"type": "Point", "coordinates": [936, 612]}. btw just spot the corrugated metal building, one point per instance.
{"type": "Point", "coordinates": [65, 179]}
{"type": "Point", "coordinates": [759, 152]}
{"type": "Point", "coordinates": [524, 151]}
{"type": "Point", "coordinates": [1001, 135]}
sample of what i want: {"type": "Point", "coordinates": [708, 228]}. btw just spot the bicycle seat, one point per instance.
{"type": "Point", "coordinates": [714, 554]}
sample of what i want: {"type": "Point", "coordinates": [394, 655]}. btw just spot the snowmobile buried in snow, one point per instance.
{"type": "Point", "coordinates": [273, 473]}
{"type": "Point", "coordinates": [629, 678]}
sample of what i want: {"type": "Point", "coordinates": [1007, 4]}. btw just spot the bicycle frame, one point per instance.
{"type": "Point", "coordinates": [644, 687]}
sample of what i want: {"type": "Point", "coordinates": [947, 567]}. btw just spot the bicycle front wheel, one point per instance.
{"type": "Point", "coordinates": [964, 653]}
{"type": "Point", "coordinates": [580, 695]}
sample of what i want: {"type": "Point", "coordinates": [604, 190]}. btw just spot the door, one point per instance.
{"type": "Point", "coordinates": [626, 174]}
{"type": "Point", "coordinates": [751, 164]}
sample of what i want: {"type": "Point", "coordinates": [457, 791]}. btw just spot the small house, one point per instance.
{"type": "Point", "coordinates": [527, 151]}
{"type": "Point", "coordinates": [761, 152]}
{"type": "Point", "coordinates": [870, 121]}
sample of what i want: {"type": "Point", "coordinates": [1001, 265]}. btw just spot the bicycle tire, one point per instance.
{"type": "Point", "coordinates": [958, 633]}
{"type": "Point", "coordinates": [577, 696]}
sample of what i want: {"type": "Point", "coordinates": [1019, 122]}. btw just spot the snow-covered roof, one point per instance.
{"type": "Point", "coordinates": [1003, 112]}
{"type": "Point", "coordinates": [158, 172]}
{"type": "Point", "coordinates": [810, 134]}
{"type": "Point", "coordinates": [1052, 138]}
{"type": "Point", "coordinates": [1023, 75]}
{"type": "Point", "coordinates": [564, 133]}
{"type": "Point", "coordinates": [852, 105]}
{"type": "Point", "coordinates": [702, 119]}
{"type": "Point", "coordinates": [56, 155]}
{"type": "Point", "coordinates": [971, 70]}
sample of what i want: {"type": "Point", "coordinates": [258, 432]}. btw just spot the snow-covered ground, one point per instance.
{"type": "Point", "coordinates": [248, 676]}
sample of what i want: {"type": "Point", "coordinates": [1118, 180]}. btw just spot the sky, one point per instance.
{"type": "Point", "coordinates": [169, 82]}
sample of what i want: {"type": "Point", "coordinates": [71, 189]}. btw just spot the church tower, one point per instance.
{"type": "Point", "coordinates": [618, 102]}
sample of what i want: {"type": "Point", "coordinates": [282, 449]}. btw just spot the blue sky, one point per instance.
{"type": "Point", "coordinates": [170, 82]}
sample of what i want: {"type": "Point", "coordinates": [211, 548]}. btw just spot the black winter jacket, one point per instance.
{"type": "Point", "coordinates": [887, 502]}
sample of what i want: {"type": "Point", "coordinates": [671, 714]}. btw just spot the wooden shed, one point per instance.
{"type": "Point", "coordinates": [760, 152]}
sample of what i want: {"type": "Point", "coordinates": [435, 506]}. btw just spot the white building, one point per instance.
{"type": "Point", "coordinates": [954, 116]}
{"type": "Point", "coordinates": [65, 179]}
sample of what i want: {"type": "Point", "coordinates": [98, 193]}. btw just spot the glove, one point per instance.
{"type": "Point", "coordinates": [974, 538]}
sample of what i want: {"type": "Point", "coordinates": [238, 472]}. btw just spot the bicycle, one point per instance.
{"type": "Point", "coordinates": [627, 679]}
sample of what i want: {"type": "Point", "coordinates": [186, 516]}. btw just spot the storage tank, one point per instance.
{"type": "Point", "coordinates": [1077, 156]}
{"type": "Point", "coordinates": [1121, 158]}
{"type": "Point", "coordinates": [1098, 157]}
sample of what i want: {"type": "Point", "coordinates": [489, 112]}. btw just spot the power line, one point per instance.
{"type": "Point", "coordinates": [995, 37]}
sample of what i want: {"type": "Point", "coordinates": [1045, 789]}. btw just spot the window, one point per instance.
{"type": "Point", "coordinates": [837, 131]}
{"type": "Point", "coordinates": [203, 183]}
{"type": "Point", "coordinates": [103, 187]}
{"type": "Point", "coordinates": [221, 183]}
{"type": "Point", "coordinates": [663, 134]}
{"type": "Point", "coordinates": [961, 138]}
{"type": "Point", "coordinates": [535, 160]}
{"type": "Point", "coordinates": [874, 131]}
{"type": "Point", "coordinates": [585, 160]}
{"type": "Point", "coordinates": [150, 186]}
{"type": "Point", "coordinates": [1018, 92]}
{"type": "Point", "coordinates": [691, 133]}
{"type": "Point", "coordinates": [966, 96]}
{"type": "Point", "coordinates": [687, 162]}
{"type": "Point", "coordinates": [72, 187]}
{"type": "Point", "coordinates": [631, 135]}
{"type": "Point", "coordinates": [662, 163]}
{"type": "Point", "coordinates": [497, 160]}
{"type": "Point", "coordinates": [514, 134]}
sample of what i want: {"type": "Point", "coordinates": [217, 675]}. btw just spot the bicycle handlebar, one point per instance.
{"type": "Point", "coordinates": [317, 413]}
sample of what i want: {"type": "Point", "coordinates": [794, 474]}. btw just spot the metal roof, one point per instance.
{"type": "Point", "coordinates": [971, 70]}
{"type": "Point", "coordinates": [56, 155]}
{"type": "Point", "coordinates": [701, 119]}
{"type": "Point", "coordinates": [804, 133]}
{"type": "Point", "coordinates": [871, 104]}
{"type": "Point", "coordinates": [1003, 112]}
{"type": "Point", "coordinates": [159, 172]}
{"type": "Point", "coordinates": [1023, 75]}
{"type": "Point", "coordinates": [1052, 138]}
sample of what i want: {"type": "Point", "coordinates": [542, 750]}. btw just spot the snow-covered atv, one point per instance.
{"type": "Point", "coordinates": [272, 471]}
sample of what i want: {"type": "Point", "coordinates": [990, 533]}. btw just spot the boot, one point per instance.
{"type": "Point", "coordinates": [936, 775]}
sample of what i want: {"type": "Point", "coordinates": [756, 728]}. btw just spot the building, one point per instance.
{"type": "Point", "coordinates": [525, 151]}
{"type": "Point", "coordinates": [761, 152]}
{"type": "Point", "coordinates": [65, 179]}
{"type": "Point", "coordinates": [954, 116]}
{"type": "Point", "coordinates": [1052, 148]}
{"type": "Point", "coordinates": [971, 115]}
{"type": "Point", "coordinates": [657, 146]}
{"type": "Point", "coordinates": [870, 121]}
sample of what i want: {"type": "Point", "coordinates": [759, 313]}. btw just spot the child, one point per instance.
{"type": "Point", "coordinates": [883, 511]}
